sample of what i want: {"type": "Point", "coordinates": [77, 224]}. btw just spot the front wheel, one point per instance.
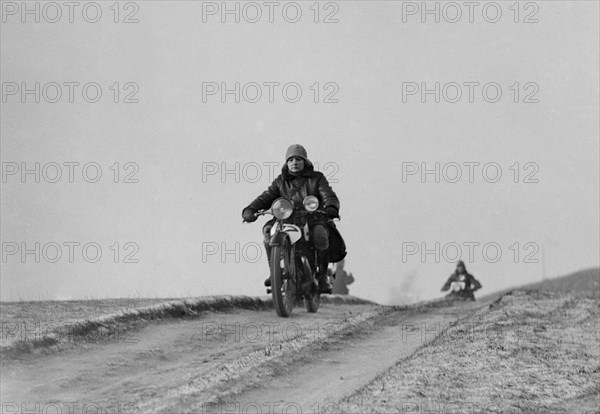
{"type": "Point", "coordinates": [283, 287]}
{"type": "Point", "coordinates": [312, 297]}
{"type": "Point", "coordinates": [312, 302]}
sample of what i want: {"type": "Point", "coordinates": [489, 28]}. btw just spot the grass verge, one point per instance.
{"type": "Point", "coordinates": [527, 352]}
{"type": "Point", "coordinates": [51, 326]}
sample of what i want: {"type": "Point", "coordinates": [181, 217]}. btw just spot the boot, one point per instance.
{"type": "Point", "coordinates": [325, 285]}
{"type": "Point", "coordinates": [322, 277]}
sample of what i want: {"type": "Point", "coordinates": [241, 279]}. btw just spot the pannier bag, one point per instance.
{"type": "Point", "coordinates": [337, 246]}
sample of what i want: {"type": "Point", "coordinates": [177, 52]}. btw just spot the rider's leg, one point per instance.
{"type": "Point", "coordinates": [266, 239]}
{"type": "Point", "coordinates": [323, 263]}
{"type": "Point", "coordinates": [320, 239]}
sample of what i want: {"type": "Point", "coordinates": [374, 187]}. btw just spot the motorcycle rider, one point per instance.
{"type": "Point", "coordinates": [297, 180]}
{"type": "Point", "coordinates": [462, 282]}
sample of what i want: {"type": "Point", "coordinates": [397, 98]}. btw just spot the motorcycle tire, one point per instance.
{"type": "Point", "coordinates": [312, 300]}
{"type": "Point", "coordinates": [283, 289]}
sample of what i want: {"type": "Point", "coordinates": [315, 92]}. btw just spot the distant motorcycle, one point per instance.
{"type": "Point", "coordinates": [461, 284]}
{"type": "Point", "coordinates": [459, 291]}
{"type": "Point", "coordinates": [294, 263]}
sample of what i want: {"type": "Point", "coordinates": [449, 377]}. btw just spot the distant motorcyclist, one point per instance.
{"type": "Point", "coordinates": [461, 283]}
{"type": "Point", "coordinates": [297, 180]}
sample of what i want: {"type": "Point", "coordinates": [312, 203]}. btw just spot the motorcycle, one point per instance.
{"type": "Point", "coordinates": [459, 291]}
{"type": "Point", "coordinates": [294, 262]}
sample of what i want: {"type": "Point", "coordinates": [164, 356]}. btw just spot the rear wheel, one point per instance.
{"type": "Point", "coordinates": [283, 287]}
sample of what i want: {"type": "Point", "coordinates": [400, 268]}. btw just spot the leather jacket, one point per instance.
{"type": "Point", "coordinates": [296, 187]}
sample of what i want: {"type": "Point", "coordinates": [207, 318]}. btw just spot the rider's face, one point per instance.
{"type": "Point", "coordinates": [295, 164]}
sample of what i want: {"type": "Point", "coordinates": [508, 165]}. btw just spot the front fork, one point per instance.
{"type": "Point", "coordinates": [278, 239]}
{"type": "Point", "coordinates": [307, 264]}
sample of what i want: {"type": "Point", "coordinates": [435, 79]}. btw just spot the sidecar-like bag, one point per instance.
{"type": "Point", "coordinates": [337, 246]}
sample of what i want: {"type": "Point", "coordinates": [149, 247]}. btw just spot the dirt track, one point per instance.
{"type": "Point", "coordinates": [242, 361]}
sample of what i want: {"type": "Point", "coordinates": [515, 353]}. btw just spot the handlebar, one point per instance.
{"type": "Point", "coordinates": [263, 212]}
{"type": "Point", "coordinates": [259, 213]}
{"type": "Point", "coordinates": [268, 211]}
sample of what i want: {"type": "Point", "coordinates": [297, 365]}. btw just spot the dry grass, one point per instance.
{"type": "Point", "coordinates": [529, 352]}
{"type": "Point", "coordinates": [51, 325]}
{"type": "Point", "coordinates": [32, 312]}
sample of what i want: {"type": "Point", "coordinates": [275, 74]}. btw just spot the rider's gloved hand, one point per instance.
{"type": "Point", "coordinates": [332, 212]}
{"type": "Point", "coordinates": [249, 214]}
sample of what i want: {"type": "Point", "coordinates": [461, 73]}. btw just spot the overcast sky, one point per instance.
{"type": "Point", "coordinates": [369, 140]}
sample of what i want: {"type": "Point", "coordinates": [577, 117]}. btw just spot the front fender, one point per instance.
{"type": "Point", "coordinates": [277, 239]}
{"type": "Point", "coordinates": [293, 232]}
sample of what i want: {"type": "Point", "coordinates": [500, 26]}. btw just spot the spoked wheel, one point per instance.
{"type": "Point", "coordinates": [283, 287]}
{"type": "Point", "coordinates": [312, 297]}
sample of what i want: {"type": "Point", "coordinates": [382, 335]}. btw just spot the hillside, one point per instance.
{"type": "Point", "coordinates": [587, 280]}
